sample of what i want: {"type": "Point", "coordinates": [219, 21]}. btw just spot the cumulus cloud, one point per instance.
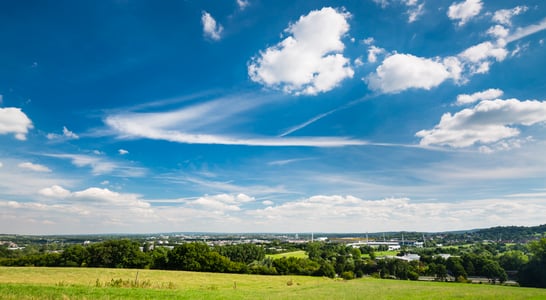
{"type": "Point", "coordinates": [309, 61]}
{"type": "Point", "coordinates": [331, 213]}
{"type": "Point", "coordinates": [489, 94]}
{"type": "Point", "coordinates": [67, 134]}
{"type": "Point", "coordinates": [211, 29]}
{"type": "Point", "coordinates": [243, 4]}
{"type": "Point", "coordinates": [415, 10]}
{"type": "Point", "coordinates": [490, 121]}
{"type": "Point", "coordinates": [373, 52]}
{"type": "Point", "coordinates": [223, 202]}
{"type": "Point", "coordinates": [14, 120]}
{"type": "Point", "coordinates": [479, 57]}
{"type": "Point", "coordinates": [464, 11]}
{"type": "Point", "coordinates": [400, 72]}
{"type": "Point", "coordinates": [55, 191]}
{"type": "Point", "coordinates": [34, 167]}
{"type": "Point", "coordinates": [123, 152]}
{"type": "Point", "coordinates": [498, 31]}
{"type": "Point", "coordinates": [504, 16]}
{"type": "Point", "coordinates": [110, 211]}
{"type": "Point", "coordinates": [108, 197]}
{"type": "Point", "coordinates": [483, 51]}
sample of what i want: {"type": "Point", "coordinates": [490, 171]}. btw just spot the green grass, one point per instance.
{"type": "Point", "coordinates": [88, 283]}
{"type": "Point", "coordinates": [297, 254]}
{"type": "Point", "coordinates": [386, 253]}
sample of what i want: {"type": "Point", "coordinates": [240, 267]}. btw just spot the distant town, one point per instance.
{"type": "Point", "coordinates": [499, 255]}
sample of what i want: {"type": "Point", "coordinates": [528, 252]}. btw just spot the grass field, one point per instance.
{"type": "Point", "coordinates": [88, 283]}
{"type": "Point", "coordinates": [297, 254]}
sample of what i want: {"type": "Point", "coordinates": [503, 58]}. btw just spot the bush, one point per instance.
{"type": "Point", "coordinates": [348, 275]}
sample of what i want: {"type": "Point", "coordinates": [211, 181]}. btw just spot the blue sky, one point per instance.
{"type": "Point", "coordinates": [271, 116]}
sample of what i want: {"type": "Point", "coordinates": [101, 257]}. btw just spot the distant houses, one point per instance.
{"type": "Point", "coordinates": [392, 245]}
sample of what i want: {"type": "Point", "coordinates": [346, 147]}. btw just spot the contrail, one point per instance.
{"type": "Point", "coordinates": [318, 117]}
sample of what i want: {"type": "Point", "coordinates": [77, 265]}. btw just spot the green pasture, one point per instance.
{"type": "Point", "coordinates": [89, 283]}
{"type": "Point", "coordinates": [297, 254]}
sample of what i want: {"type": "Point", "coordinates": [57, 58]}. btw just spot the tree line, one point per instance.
{"type": "Point", "coordinates": [492, 261]}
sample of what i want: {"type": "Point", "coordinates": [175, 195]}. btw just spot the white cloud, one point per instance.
{"type": "Point", "coordinates": [267, 202]}
{"type": "Point", "coordinates": [415, 11]}
{"type": "Point", "coordinates": [490, 121]}
{"type": "Point", "coordinates": [483, 51]}
{"type": "Point", "coordinates": [198, 121]}
{"type": "Point", "coordinates": [210, 28]}
{"type": "Point", "coordinates": [368, 41]}
{"type": "Point", "coordinates": [464, 11]}
{"type": "Point", "coordinates": [13, 120]}
{"type": "Point", "coordinates": [526, 31]}
{"type": "Point", "coordinates": [123, 151]}
{"type": "Point", "coordinates": [373, 52]}
{"type": "Point", "coordinates": [309, 61]}
{"type": "Point", "coordinates": [489, 94]}
{"type": "Point", "coordinates": [519, 49]}
{"type": "Point", "coordinates": [67, 134]}
{"type": "Point", "coordinates": [338, 213]}
{"type": "Point", "coordinates": [478, 57]}
{"type": "Point", "coordinates": [96, 210]}
{"type": "Point", "coordinates": [504, 16]}
{"type": "Point", "coordinates": [498, 31]}
{"type": "Point", "coordinates": [222, 203]}
{"type": "Point", "coordinates": [18, 182]}
{"type": "Point", "coordinates": [383, 3]}
{"type": "Point", "coordinates": [1, 165]}
{"type": "Point", "coordinates": [358, 62]}
{"type": "Point", "coordinates": [34, 167]}
{"type": "Point", "coordinates": [399, 72]}
{"type": "Point", "coordinates": [98, 196]}
{"type": "Point", "coordinates": [100, 165]}
{"type": "Point", "coordinates": [55, 191]}
{"type": "Point", "coordinates": [243, 4]}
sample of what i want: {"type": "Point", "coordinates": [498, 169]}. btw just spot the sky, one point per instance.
{"type": "Point", "coordinates": [133, 116]}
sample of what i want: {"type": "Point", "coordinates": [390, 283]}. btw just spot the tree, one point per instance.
{"type": "Point", "coordinates": [74, 256]}
{"type": "Point", "coordinates": [533, 274]}
{"type": "Point", "coordinates": [455, 265]}
{"type": "Point", "coordinates": [117, 254]}
{"type": "Point", "coordinates": [513, 260]}
{"type": "Point", "coordinates": [492, 270]}
{"type": "Point", "coordinates": [244, 253]}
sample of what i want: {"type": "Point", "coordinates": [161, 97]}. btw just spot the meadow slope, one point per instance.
{"type": "Point", "coordinates": [94, 283]}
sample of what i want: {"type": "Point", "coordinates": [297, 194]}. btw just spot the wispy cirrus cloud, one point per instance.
{"type": "Point", "coordinates": [207, 123]}
{"type": "Point", "coordinates": [100, 165]}
{"type": "Point", "coordinates": [34, 167]}
{"type": "Point", "coordinates": [523, 32]}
